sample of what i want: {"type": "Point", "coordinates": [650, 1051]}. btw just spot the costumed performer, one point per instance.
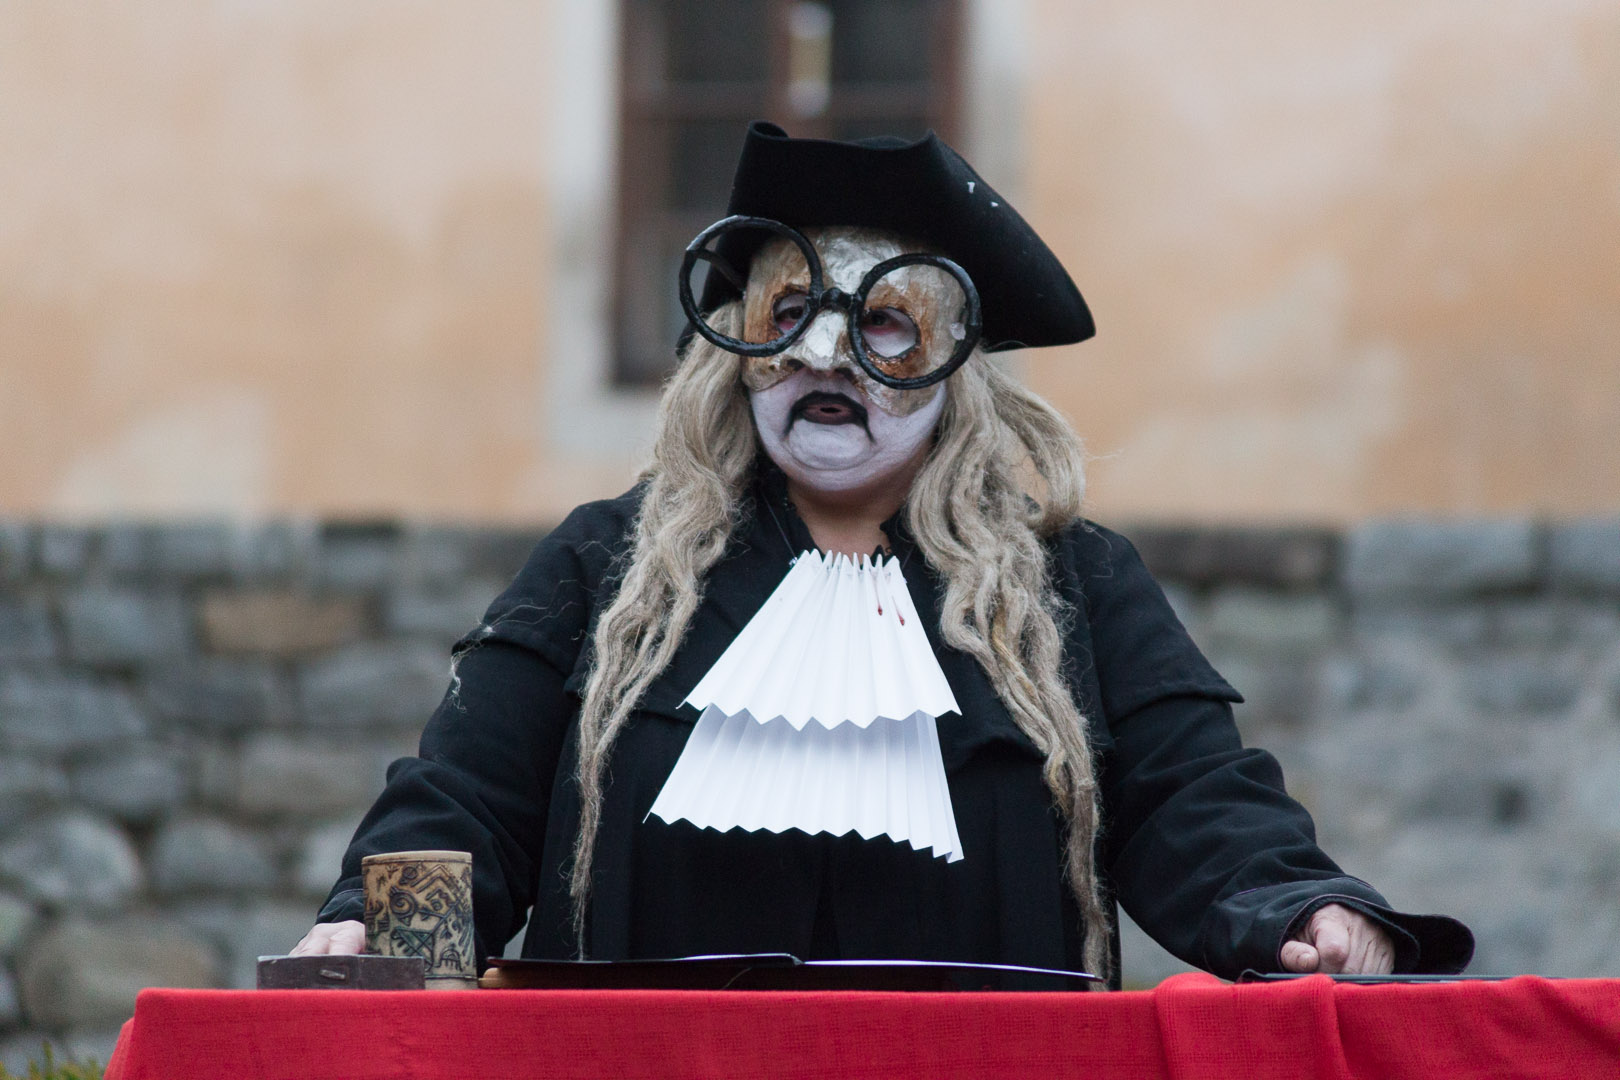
{"type": "Point", "coordinates": [836, 395]}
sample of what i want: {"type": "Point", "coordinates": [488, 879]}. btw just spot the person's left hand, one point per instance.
{"type": "Point", "coordinates": [1338, 941]}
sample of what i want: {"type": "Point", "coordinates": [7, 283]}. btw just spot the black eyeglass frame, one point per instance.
{"type": "Point", "coordinates": [820, 297]}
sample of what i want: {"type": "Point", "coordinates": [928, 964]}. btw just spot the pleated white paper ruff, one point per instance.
{"type": "Point", "coordinates": [820, 716]}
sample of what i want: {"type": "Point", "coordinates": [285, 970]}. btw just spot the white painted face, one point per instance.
{"type": "Point", "coordinates": [823, 420]}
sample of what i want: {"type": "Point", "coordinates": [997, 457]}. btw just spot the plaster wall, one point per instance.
{"type": "Point", "coordinates": [259, 256]}
{"type": "Point", "coordinates": [1346, 259]}
{"type": "Point", "coordinates": [349, 260]}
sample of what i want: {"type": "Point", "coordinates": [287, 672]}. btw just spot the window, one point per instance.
{"type": "Point", "coordinates": [695, 72]}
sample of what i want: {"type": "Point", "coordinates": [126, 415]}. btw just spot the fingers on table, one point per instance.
{"type": "Point", "coordinates": [324, 938]}
{"type": "Point", "coordinates": [1300, 958]}
{"type": "Point", "coordinates": [1351, 943]}
{"type": "Point", "coordinates": [1373, 955]}
{"type": "Point", "coordinates": [1330, 933]}
{"type": "Point", "coordinates": [350, 937]}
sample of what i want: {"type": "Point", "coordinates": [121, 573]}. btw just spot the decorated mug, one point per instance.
{"type": "Point", "coordinates": [419, 903]}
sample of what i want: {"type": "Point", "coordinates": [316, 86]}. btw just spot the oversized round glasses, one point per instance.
{"type": "Point", "coordinates": [882, 314]}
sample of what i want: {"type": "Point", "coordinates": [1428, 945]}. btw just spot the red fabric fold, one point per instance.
{"type": "Point", "coordinates": [1192, 1027]}
{"type": "Point", "coordinates": [1524, 1027]}
{"type": "Point", "coordinates": [1212, 1029]}
{"type": "Point", "coordinates": [300, 1035]}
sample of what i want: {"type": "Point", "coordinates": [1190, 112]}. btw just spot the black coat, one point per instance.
{"type": "Point", "coordinates": [1200, 843]}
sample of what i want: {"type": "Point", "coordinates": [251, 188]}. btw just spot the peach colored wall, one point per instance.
{"type": "Point", "coordinates": [259, 257]}
{"type": "Point", "coordinates": [1346, 259]}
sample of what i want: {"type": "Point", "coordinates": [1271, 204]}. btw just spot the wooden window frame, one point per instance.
{"type": "Point", "coordinates": [643, 177]}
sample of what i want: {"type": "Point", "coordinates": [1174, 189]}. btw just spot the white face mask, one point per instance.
{"type": "Point", "coordinates": [823, 421]}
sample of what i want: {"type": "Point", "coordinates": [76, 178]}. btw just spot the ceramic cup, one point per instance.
{"type": "Point", "coordinates": [419, 903]}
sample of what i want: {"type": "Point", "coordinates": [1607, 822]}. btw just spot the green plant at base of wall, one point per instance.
{"type": "Point", "coordinates": [48, 1068]}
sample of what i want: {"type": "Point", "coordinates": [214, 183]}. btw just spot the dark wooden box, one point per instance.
{"type": "Point", "coordinates": [342, 972]}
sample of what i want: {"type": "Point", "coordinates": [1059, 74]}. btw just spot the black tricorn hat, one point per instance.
{"type": "Point", "coordinates": [924, 191]}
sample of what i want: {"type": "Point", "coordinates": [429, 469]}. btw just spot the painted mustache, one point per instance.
{"type": "Point", "coordinates": [824, 407]}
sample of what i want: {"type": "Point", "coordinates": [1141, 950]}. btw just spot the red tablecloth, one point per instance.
{"type": "Point", "coordinates": [1192, 1026]}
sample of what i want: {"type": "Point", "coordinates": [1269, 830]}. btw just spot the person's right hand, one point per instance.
{"type": "Point", "coordinates": [335, 937]}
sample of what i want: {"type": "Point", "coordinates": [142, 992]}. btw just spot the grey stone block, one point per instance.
{"type": "Point", "coordinates": [62, 714]}
{"type": "Point", "coordinates": [1375, 683]}
{"type": "Point", "coordinates": [124, 548]}
{"type": "Point", "coordinates": [360, 555]}
{"type": "Point", "coordinates": [137, 786]}
{"type": "Point", "coordinates": [1359, 770]}
{"type": "Point", "coordinates": [1520, 685]}
{"type": "Point", "coordinates": [220, 694]}
{"type": "Point", "coordinates": [381, 683]}
{"type": "Point", "coordinates": [1548, 622]}
{"type": "Point", "coordinates": [436, 556]}
{"type": "Point", "coordinates": [179, 550]}
{"type": "Point", "coordinates": [16, 550]}
{"type": "Point", "coordinates": [10, 1006]}
{"type": "Point", "coordinates": [72, 860]}
{"type": "Point", "coordinates": [63, 551]}
{"type": "Point", "coordinates": [1456, 625]}
{"type": "Point", "coordinates": [1585, 934]}
{"type": "Point", "coordinates": [119, 627]}
{"type": "Point", "coordinates": [1276, 557]}
{"type": "Point", "coordinates": [211, 918]}
{"type": "Point", "coordinates": [26, 781]}
{"type": "Point", "coordinates": [16, 918]}
{"type": "Point", "coordinates": [279, 624]}
{"type": "Point", "coordinates": [26, 632]}
{"type": "Point", "coordinates": [1537, 622]}
{"type": "Point", "coordinates": [278, 550]}
{"type": "Point", "coordinates": [264, 930]}
{"type": "Point", "coordinates": [440, 614]}
{"type": "Point", "coordinates": [1594, 797]}
{"type": "Point", "coordinates": [1435, 559]}
{"type": "Point", "coordinates": [1280, 694]}
{"type": "Point", "coordinates": [287, 776]}
{"type": "Point", "coordinates": [216, 772]}
{"type": "Point", "coordinates": [207, 550]}
{"type": "Point", "coordinates": [197, 549]}
{"type": "Point", "coordinates": [1270, 622]}
{"type": "Point", "coordinates": [1595, 624]}
{"type": "Point", "coordinates": [498, 553]}
{"type": "Point", "coordinates": [1470, 782]}
{"type": "Point", "coordinates": [1585, 555]}
{"type": "Point", "coordinates": [81, 974]}
{"type": "Point", "coordinates": [321, 857]}
{"type": "Point", "coordinates": [1477, 876]}
{"type": "Point", "coordinates": [1512, 942]}
{"type": "Point", "coordinates": [205, 855]}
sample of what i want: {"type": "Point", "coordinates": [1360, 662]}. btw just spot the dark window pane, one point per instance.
{"type": "Point", "coordinates": [695, 71]}
{"type": "Point", "coordinates": [881, 41]}
{"type": "Point", "coordinates": [710, 41]}
{"type": "Point", "coordinates": [703, 154]}
{"type": "Point", "coordinates": [673, 319]}
{"type": "Point", "coordinates": [650, 316]}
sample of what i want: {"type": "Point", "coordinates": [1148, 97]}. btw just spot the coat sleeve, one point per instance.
{"type": "Point", "coordinates": [481, 783]}
{"type": "Point", "coordinates": [482, 779]}
{"type": "Point", "coordinates": [1201, 842]}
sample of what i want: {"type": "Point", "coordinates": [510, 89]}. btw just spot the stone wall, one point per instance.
{"type": "Point", "coordinates": [192, 718]}
{"type": "Point", "coordinates": [1445, 697]}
